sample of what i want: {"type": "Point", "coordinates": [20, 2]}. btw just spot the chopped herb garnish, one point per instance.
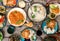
{"type": "Point", "coordinates": [53, 6]}
{"type": "Point", "coordinates": [33, 16]}
{"type": "Point", "coordinates": [15, 12]}
{"type": "Point", "coordinates": [32, 37]}
{"type": "Point", "coordinates": [52, 15]}
{"type": "Point", "coordinates": [0, 0]}
{"type": "Point", "coordinates": [19, 21]}
{"type": "Point", "coordinates": [35, 8]}
{"type": "Point", "coordinates": [48, 20]}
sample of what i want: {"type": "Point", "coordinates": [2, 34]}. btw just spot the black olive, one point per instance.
{"type": "Point", "coordinates": [39, 32]}
{"type": "Point", "coordinates": [52, 15]}
{"type": "Point", "coordinates": [27, 39]}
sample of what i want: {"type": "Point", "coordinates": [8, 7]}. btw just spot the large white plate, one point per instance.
{"type": "Point", "coordinates": [20, 10]}
{"type": "Point", "coordinates": [41, 16]}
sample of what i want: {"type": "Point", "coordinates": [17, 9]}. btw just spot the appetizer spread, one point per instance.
{"type": "Point", "coordinates": [28, 34]}
{"type": "Point", "coordinates": [9, 3]}
{"type": "Point", "coordinates": [39, 17]}
{"type": "Point", "coordinates": [37, 12]}
{"type": "Point", "coordinates": [16, 17]}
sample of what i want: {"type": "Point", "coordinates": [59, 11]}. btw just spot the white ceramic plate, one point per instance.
{"type": "Point", "coordinates": [20, 10]}
{"type": "Point", "coordinates": [58, 7]}
{"type": "Point", "coordinates": [38, 16]}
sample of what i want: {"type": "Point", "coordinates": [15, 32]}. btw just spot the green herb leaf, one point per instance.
{"type": "Point", "coordinates": [1, 35]}
{"type": "Point", "coordinates": [0, 0]}
{"type": "Point", "coordinates": [53, 6]}
{"type": "Point", "coordinates": [19, 21]}
{"type": "Point", "coordinates": [33, 16]}
{"type": "Point", "coordinates": [15, 12]}
{"type": "Point", "coordinates": [32, 38]}
{"type": "Point", "coordinates": [48, 20]}
{"type": "Point", "coordinates": [35, 8]}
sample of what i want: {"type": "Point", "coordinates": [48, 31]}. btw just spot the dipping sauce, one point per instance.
{"type": "Point", "coordinates": [22, 4]}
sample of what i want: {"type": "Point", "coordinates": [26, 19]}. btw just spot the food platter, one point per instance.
{"type": "Point", "coordinates": [46, 28]}
{"type": "Point", "coordinates": [30, 33]}
{"type": "Point", "coordinates": [29, 20]}
{"type": "Point", "coordinates": [10, 3]}
{"type": "Point", "coordinates": [19, 11]}
{"type": "Point", "coordinates": [35, 11]}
